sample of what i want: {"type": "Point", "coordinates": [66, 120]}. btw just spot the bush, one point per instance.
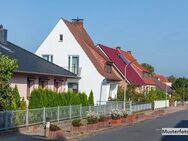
{"type": "Point", "coordinates": [124, 114]}
{"type": "Point", "coordinates": [116, 114]}
{"type": "Point", "coordinates": [91, 99]}
{"type": "Point", "coordinates": [76, 122]}
{"type": "Point", "coordinates": [92, 117]}
{"type": "Point", "coordinates": [102, 118]}
{"type": "Point", "coordinates": [54, 127]}
{"type": "Point", "coordinates": [48, 98]}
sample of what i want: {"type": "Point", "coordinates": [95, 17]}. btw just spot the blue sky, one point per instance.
{"type": "Point", "coordinates": [156, 31]}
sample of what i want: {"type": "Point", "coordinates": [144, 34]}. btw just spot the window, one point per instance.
{"type": "Point", "coordinates": [48, 57]}
{"type": "Point", "coordinates": [61, 37]}
{"type": "Point", "coordinates": [108, 67]}
{"type": "Point", "coordinates": [43, 83]}
{"type": "Point", "coordinates": [73, 64]}
{"type": "Point", "coordinates": [30, 86]}
{"type": "Point", "coordinates": [73, 86]}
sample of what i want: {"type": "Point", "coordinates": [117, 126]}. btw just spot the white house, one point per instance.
{"type": "Point", "coordinates": [69, 45]}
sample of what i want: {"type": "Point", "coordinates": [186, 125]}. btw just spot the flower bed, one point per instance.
{"type": "Point", "coordinates": [132, 118]}
{"type": "Point", "coordinates": [55, 132]}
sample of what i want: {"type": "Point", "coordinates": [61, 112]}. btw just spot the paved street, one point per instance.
{"type": "Point", "coordinates": [147, 130]}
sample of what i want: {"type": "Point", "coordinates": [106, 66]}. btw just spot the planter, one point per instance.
{"type": "Point", "coordinates": [124, 120]}
{"type": "Point", "coordinates": [76, 129]}
{"type": "Point", "coordinates": [94, 126]}
{"type": "Point", "coordinates": [132, 118]}
{"type": "Point", "coordinates": [55, 134]}
{"type": "Point", "coordinates": [116, 121]}
{"type": "Point", "coordinates": [105, 123]}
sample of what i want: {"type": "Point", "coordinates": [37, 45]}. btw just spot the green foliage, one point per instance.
{"type": "Point", "coordinates": [91, 99]}
{"type": "Point", "coordinates": [155, 95]}
{"type": "Point", "coordinates": [76, 122]}
{"type": "Point", "coordinates": [23, 104]}
{"type": "Point", "coordinates": [149, 67]}
{"type": "Point", "coordinates": [180, 86]}
{"type": "Point", "coordinates": [130, 93]}
{"type": "Point", "coordinates": [7, 66]}
{"type": "Point", "coordinates": [47, 98]}
{"type": "Point", "coordinates": [133, 96]}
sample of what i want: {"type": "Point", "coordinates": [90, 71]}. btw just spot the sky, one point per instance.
{"type": "Point", "coordinates": [156, 31]}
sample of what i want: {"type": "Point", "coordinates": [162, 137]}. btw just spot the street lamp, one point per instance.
{"type": "Point", "coordinates": [125, 88]}
{"type": "Point", "coordinates": [166, 96]}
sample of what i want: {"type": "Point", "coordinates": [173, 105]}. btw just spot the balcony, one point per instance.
{"type": "Point", "coordinates": [75, 70]}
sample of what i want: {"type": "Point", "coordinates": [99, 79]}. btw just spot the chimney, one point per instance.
{"type": "Point", "coordinates": [78, 22]}
{"type": "Point", "coordinates": [3, 34]}
{"type": "Point", "coordinates": [129, 52]}
{"type": "Point", "coordinates": [118, 48]}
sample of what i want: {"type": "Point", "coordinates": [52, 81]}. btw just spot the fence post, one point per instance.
{"type": "Point", "coordinates": [130, 107]}
{"type": "Point", "coordinates": [89, 108]}
{"type": "Point", "coordinates": [6, 120]}
{"type": "Point", "coordinates": [70, 112]}
{"type": "Point", "coordinates": [44, 115]}
{"type": "Point", "coordinates": [27, 117]}
{"type": "Point", "coordinates": [80, 110]}
{"type": "Point", "coordinates": [58, 113]}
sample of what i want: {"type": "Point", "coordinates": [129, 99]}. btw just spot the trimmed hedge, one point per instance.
{"type": "Point", "coordinates": [48, 98]}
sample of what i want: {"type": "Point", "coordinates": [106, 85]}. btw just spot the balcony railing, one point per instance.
{"type": "Point", "coordinates": [75, 70]}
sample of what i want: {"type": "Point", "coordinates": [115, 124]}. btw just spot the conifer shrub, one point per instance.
{"type": "Point", "coordinates": [91, 99]}
{"type": "Point", "coordinates": [48, 98]}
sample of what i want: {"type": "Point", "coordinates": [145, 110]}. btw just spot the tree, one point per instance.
{"type": "Point", "coordinates": [149, 67]}
{"type": "Point", "coordinates": [7, 66]}
{"type": "Point", "coordinates": [91, 99]}
{"type": "Point", "coordinates": [172, 78]}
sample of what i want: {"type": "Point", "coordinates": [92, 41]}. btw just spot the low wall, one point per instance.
{"type": "Point", "coordinates": [160, 104]}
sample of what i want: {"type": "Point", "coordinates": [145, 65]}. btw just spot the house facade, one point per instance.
{"type": "Point", "coordinates": [34, 71]}
{"type": "Point", "coordinates": [71, 47]}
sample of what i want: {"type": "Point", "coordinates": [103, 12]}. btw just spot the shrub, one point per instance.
{"type": "Point", "coordinates": [102, 118]}
{"type": "Point", "coordinates": [54, 127]}
{"type": "Point", "coordinates": [116, 114]}
{"type": "Point", "coordinates": [92, 117]}
{"type": "Point", "coordinates": [76, 122]}
{"type": "Point", "coordinates": [91, 99]}
{"type": "Point", "coordinates": [23, 104]}
{"type": "Point", "coordinates": [48, 98]}
{"type": "Point", "coordinates": [124, 114]}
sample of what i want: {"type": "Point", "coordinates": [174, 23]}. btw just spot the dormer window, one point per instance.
{"type": "Point", "coordinates": [108, 67]}
{"type": "Point", "coordinates": [61, 37]}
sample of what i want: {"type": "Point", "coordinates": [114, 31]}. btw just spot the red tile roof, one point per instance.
{"type": "Point", "coordinates": [94, 54]}
{"type": "Point", "coordinates": [130, 58]}
{"type": "Point", "coordinates": [134, 72]}
{"type": "Point", "coordinates": [161, 78]}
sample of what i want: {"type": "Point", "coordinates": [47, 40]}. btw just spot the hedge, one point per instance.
{"type": "Point", "coordinates": [47, 98]}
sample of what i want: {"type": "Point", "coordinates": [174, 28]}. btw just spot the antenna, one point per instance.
{"type": "Point", "coordinates": [77, 20]}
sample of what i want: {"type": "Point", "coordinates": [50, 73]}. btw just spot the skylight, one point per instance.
{"type": "Point", "coordinates": [123, 59]}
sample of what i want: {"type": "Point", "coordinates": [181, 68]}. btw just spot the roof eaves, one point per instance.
{"type": "Point", "coordinates": [38, 73]}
